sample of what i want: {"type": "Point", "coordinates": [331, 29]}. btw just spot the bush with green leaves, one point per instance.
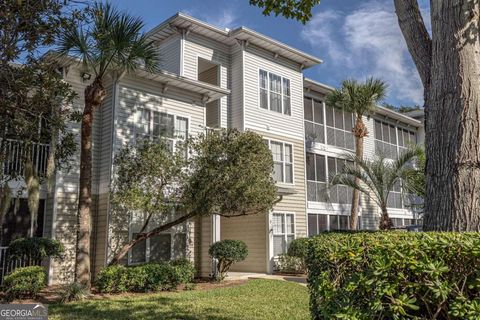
{"type": "Point", "coordinates": [24, 282]}
{"type": "Point", "coordinates": [227, 252]}
{"type": "Point", "coordinates": [35, 248]}
{"type": "Point", "coordinates": [394, 275]}
{"type": "Point", "coordinates": [289, 264]}
{"type": "Point", "coordinates": [146, 277]}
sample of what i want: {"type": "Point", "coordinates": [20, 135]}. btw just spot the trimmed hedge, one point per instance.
{"type": "Point", "coordinates": [394, 275]}
{"type": "Point", "coordinates": [146, 277]}
{"type": "Point", "coordinates": [24, 282]}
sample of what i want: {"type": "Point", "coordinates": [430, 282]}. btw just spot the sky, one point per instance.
{"type": "Point", "coordinates": [355, 39]}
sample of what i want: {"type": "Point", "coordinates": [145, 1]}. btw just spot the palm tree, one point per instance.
{"type": "Point", "coordinates": [376, 178]}
{"type": "Point", "coordinates": [112, 42]}
{"type": "Point", "coordinates": [359, 99]}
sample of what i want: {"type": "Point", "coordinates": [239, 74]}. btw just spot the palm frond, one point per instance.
{"type": "Point", "coordinates": [358, 98]}
{"type": "Point", "coordinates": [114, 40]}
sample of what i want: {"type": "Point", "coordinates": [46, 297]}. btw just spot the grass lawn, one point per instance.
{"type": "Point", "coordinates": [256, 299]}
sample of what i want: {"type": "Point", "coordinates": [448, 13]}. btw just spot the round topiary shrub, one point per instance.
{"type": "Point", "coordinates": [25, 282]}
{"type": "Point", "coordinates": [227, 252]}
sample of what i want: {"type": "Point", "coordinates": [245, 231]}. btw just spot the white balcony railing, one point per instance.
{"type": "Point", "coordinates": [17, 152]}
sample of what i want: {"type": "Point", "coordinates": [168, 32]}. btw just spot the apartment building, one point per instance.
{"type": "Point", "coordinates": [213, 77]}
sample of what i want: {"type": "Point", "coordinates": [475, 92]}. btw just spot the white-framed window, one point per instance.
{"type": "Point", "coordinates": [318, 223]}
{"type": "Point", "coordinates": [339, 128]}
{"type": "Point", "coordinates": [388, 137]}
{"type": "Point", "coordinates": [283, 225]}
{"type": "Point", "coordinates": [316, 177]}
{"type": "Point", "coordinates": [155, 125]}
{"type": "Point", "coordinates": [282, 161]}
{"type": "Point", "coordinates": [168, 245]}
{"type": "Point", "coordinates": [394, 199]}
{"type": "Point", "coordinates": [339, 193]}
{"type": "Point", "coordinates": [314, 120]}
{"type": "Point", "coordinates": [274, 92]}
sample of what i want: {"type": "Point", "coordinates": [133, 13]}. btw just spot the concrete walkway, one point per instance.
{"type": "Point", "coordinates": [302, 280]}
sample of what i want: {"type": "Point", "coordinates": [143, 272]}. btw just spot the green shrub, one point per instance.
{"type": "Point", "coordinates": [24, 282]}
{"type": "Point", "coordinates": [73, 292]}
{"type": "Point", "coordinates": [394, 275]}
{"type": "Point", "coordinates": [288, 264]}
{"type": "Point", "coordinates": [35, 248]}
{"type": "Point", "coordinates": [112, 279]}
{"type": "Point", "coordinates": [146, 277]}
{"type": "Point", "coordinates": [227, 252]}
{"type": "Point", "coordinates": [298, 248]}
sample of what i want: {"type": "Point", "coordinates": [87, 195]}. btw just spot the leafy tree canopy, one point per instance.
{"type": "Point", "coordinates": [226, 172]}
{"type": "Point", "coordinates": [300, 10]}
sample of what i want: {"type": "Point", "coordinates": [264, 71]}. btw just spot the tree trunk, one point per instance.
{"type": "Point", "coordinates": [385, 221]}
{"type": "Point", "coordinates": [359, 131]}
{"type": "Point", "coordinates": [450, 75]}
{"type": "Point", "coordinates": [452, 119]}
{"type": "Point", "coordinates": [142, 236]}
{"type": "Point", "coordinates": [94, 95]}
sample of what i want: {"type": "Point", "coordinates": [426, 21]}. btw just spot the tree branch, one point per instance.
{"type": "Point", "coordinates": [416, 36]}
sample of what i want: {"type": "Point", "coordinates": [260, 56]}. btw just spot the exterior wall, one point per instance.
{"type": "Point", "coordinates": [64, 210]}
{"type": "Point", "coordinates": [197, 46]}
{"type": "Point", "coordinates": [134, 93]}
{"type": "Point", "coordinates": [369, 211]}
{"type": "Point", "coordinates": [169, 51]}
{"type": "Point", "coordinates": [253, 231]}
{"type": "Point", "coordinates": [236, 110]}
{"type": "Point", "coordinates": [263, 120]}
{"type": "Point", "coordinates": [203, 239]}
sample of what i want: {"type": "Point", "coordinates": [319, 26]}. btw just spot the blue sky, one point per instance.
{"type": "Point", "coordinates": [355, 39]}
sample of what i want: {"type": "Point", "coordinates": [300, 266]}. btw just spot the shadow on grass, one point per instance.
{"type": "Point", "coordinates": [148, 308]}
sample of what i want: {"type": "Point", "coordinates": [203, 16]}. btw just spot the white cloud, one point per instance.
{"type": "Point", "coordinates": [366, 42]}
{"type": "Point", "coordinates": [225, 18]}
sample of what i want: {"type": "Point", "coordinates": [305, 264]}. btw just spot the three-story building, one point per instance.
{"type": "Point", "coordinates": [221, 78]}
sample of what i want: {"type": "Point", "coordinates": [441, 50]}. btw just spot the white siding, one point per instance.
{"type": "Point", "coordinates": [169, 52]}
{"type": "Point", "coordinates": [235, 112]}
{"type": "Point", "coordinates": [257, 118]}
{"type": "Point", "coordinates": [196, 47]}
{"type": "Point", "coordinates": [134, 93]}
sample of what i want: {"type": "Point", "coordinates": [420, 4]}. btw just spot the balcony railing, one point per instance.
{"type": "Point", "coordinates": [8, 264]}
{"type": "Point", "coordinates": [18, 151]}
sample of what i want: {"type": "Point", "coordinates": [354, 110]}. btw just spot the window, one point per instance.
{"type": "Point", "coordinates": [274, 92]}
{"type": "Point", "coordinates": [282, 161]}
{"type": "Point", "coordinates": [385, 140]}
{"type": "Point", "coordinates": [316, 178]}
{"type": "Point", "coordinates": [283, 232]}
{"type": "Point", "coordinates": [339, 193]}
{"type": "Point", "coordinates": [394, 199]}
{"type": "Point", "coordinates": [317, 223]}
{"type": "Point", "coordinates": [162, 247]}
{"type": "Point", "coordinates": [405, 139]}
{"type": "Point", "coordinates": [321, 169]}
{"type": "Point", "coordinates": [155, 125]}
{"type": "Point", "coordinates": [388, 137]}
{"type": "Point", "coordinates": [339, 128]}
{"type": "Point", "coordinates": [314, 122]}
{"type": "Point", "coordinates": [339, 222]}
